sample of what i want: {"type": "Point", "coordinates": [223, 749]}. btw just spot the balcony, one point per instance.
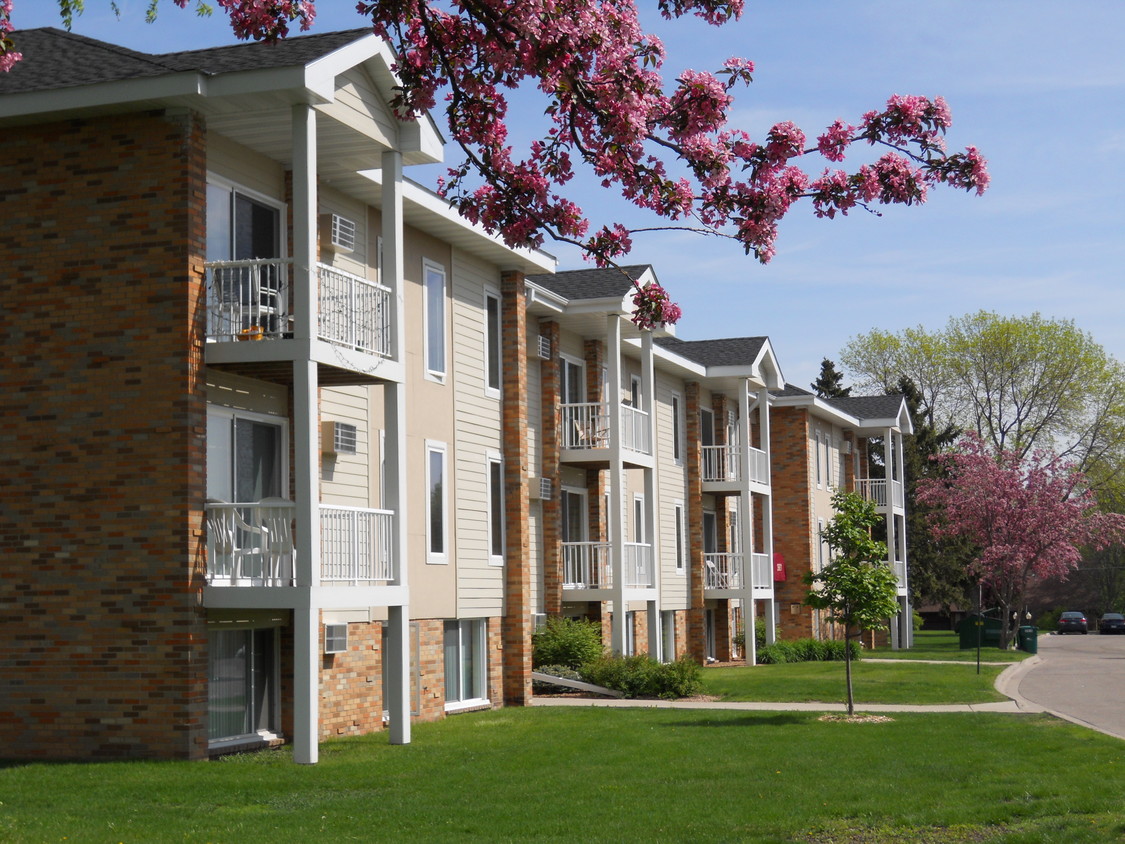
{"type": "Point", "coordinates": [585, 427]}
{"type": "Point", "coordinates": [252, 544]}
{"type": "Point", "coordinates": [251, 300]}
{"type": "Point", "coordinates": [726, 571]}
{"type": "Point", "coordinates": [875, 490]}
{"type": "Point", "coordinates": [722, 464]}
{"type": "Point", "coordinates": [586, 565]}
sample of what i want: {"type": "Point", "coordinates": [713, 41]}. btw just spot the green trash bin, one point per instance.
{"type": "Point", "coordinates": [984, 626]}
{"type": "Point", "coordinates": [1028, 639]}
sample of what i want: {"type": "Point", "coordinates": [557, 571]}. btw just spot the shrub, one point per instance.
{"type": "Point", "coordinates": [806, 650]}
{"type": "Point", "coordinates": [1049, 620]}
{"type": "Point", "coordinates": [643, 676]}
{"type": "Point", "coordinates": [564, 671]}
{"type": "Point", "coordinates": [572, 642]}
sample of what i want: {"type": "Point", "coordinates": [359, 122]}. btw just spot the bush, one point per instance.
{"type": "Point", "coordinates": [1049, 620]}
{"type": "Point", "coordinates": [806, 650]}
{"type": "Point", "coordinates": [642, 676]}
{"type": "Point", "coordinates": [564, 671]}
{"type": "Point", "coordinates": [572, 642]}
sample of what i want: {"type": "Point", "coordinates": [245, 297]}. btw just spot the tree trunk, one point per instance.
{"type": "Point", "coordinates": [848, 671]}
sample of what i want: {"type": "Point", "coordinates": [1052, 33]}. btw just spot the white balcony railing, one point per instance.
{"type": "Point", "coordinates": [354, 312]}
{"type": "Point", "coordinates": [586, 565]}
{"type": "Point", "coordinates": [900, 573]}
{"type": "Point", "coordinates": [252, 544]}
{"type": "Point", "coordinates": [875, 490]}
{"type": "Point", "coordinates": [639, 572]}
{"type": "Point", "coordinates": [722, 571]}
{"type": "Point", "coordinates": [250, 300]}
{"type": "Point", "coordinates": [586, 425]}
{"type": "Point", "coordinates": [723, 463]}
{"type": "Point", "coordinates": [761, 570]}
{"type": "Point", "coordinates": [355, 545]}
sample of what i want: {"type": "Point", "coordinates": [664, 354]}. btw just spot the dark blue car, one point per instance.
{"type": "Point", "coordinates": [1112, 622]}
{"type": "Point", "coordinates": [1073, 622]}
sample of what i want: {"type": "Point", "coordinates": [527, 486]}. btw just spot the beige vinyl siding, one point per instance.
{"type": "Point", "coordinates": [244, 167]}
{"type": "Point", "coordinates": [671, 485]}
{"type": "Point", "coordinates": [345, 479]}
{"type": "Point", "coordinates": [359, 104]}
{"type": "Point", "coordinates": [535, 367]}
{"type": "Point", "coordinates": [356, 262]}
{"type": "Point", "coordinates": [480, 585]}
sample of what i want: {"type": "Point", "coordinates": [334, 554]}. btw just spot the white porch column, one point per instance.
{"type": "Point", "coordinates": [890, 449]}
{"type": "Point", "coordinates": [397, 694]}
{"type": "Point", "coordinates": [767, 509]}
{"type": "Point", "coordinates": [616, 485]}
{"type": "Point", "coordinates": [648, 391]}
{"type": "Point", "coordinates": [746, 526]}
{"type": "Point", "coordinates": [306, 456]}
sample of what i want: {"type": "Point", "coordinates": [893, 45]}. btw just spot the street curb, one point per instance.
{"type": "Point", "coordinates": [1008, 683]}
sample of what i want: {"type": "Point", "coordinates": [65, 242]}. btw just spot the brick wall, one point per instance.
{"type": "Point", "coordinates": [794, 528]}
{"type": "Point", "coordinates": [351, 683]}
{"type": "Point", "coordinates": [102, 424]}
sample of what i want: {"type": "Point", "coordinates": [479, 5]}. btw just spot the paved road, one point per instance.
{"type": "Point", "coordinates": [1080, 678]}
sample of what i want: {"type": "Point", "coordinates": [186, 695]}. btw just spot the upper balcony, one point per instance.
{"type": "Point", "coordinates": [586, 566]}
{"type": "Point", "coordinates": [725, 574]}
{"type": "Point", "coordinates": [253, 301]}
{"type": "Point", "coordinates": [251, 544]}
{"type": "Point", "coordinates": [586, 433]}
{"type": "Point", "coordinates": [875, 489]}
{"type": "Point", "coordinates": [722, 468]}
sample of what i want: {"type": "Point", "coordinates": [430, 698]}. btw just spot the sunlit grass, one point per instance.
{"type": "Point", "coordinates": [609, 775]}
{"type": "Point", "coordinates": [945, 645]}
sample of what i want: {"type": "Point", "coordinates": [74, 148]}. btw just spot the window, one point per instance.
{"type": "Point", "coordinates": [681, 533]}
{"type": "Point", "coordinates": [245, 456]}
{"type": "Point", "coordinates": [242, 683]}
{"type": "Point", "coordinates": [433, 276]}
{"type": "Point", "coordinates": [828, 460]}
{"type": "Point", "coordinates": [639, 518]}
{"type": "Point", "coordinates": [630, 633]}
{"type": "Point", "coordinates": [436, 504]}
{"type": "Point", "coordinates": [492, 343]}
{"type": "Point", "coordinates": [819, 467]}
{"type": "Point", "coordinates": [573, 384]}
{"type": "Point", "coordinates": [495, 510]}
{"type": "Point", "coordinates": [822, 555]}
{"type": "Point", "coordinates": [635, 390]}
{"type": "Point", "coordinates": [706, 427]}
{"type": "Point", "coordinates": [677, 430]}
{"type": "Point", "coordinates": [466, 665]}
{"type": "Point", "coordinates": [574, 514]}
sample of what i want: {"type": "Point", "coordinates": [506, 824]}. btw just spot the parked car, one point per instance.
{"type": "Point", "coordinates": [1112, 622]}
{"type": "Point", "coordinates": [1073, 622]}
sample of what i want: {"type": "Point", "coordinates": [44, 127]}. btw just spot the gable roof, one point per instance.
{"type": "Point", "coordinates": [731, 351]}
{"type": "Point", "coordinates": [592, 283]}
{"type": "Point", "coordinates": [56, 59]}
{"type": "Point", "coordinates": [863, 410]}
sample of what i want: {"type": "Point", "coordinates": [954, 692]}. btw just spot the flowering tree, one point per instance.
{"type": "Point", "coordinates": [1028, 516]}
{"type": "Point", "coordinates": [858, 588]}
{"type": "Point", "coordinates": [667, 149]}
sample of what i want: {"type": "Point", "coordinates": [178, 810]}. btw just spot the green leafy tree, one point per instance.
{"type": "Point", "coordinates": [830, 383]}
{"type": "Point", "coordinates": [858, 589]}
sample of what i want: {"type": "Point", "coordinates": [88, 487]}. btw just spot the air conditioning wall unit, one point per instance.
{"type": "Point", "coordinates": [546, 489]}
{"type": "Point", "coordinates": [538, 620]}
{"type": "Point", "coordinates": [335, 638]}
{"type": "Point", "coordinates": [846, 447]}
{"type": "Point", "coordinates": [544, 347]}
{"type": "Point", "coordinates": [338, 438]}
{"type": "Point", "coordinates": [337, 233]}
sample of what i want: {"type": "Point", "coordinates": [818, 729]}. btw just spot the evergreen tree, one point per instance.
{"type": "Point", "coordinates": [830, 383]}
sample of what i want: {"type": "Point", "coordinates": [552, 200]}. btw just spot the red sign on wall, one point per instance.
{"type": "Point", "coordinates": [778, 566]}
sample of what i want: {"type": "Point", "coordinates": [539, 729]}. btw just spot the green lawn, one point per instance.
{"type": "Point", "coordinates": [610, 775]}
{"type": "Point", "coordinates": [944, 645]}
{"type": "Point", "coordinates": [907, 682]}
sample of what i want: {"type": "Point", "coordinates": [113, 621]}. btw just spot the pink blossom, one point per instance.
{"type": "Point", "coordinates": [835, 140]}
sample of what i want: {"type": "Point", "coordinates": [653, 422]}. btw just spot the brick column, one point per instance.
{"type": "Point", "coordinates": [550, 399]}
{"type": "Point", "coordinates": [517, 505]}
{"type": "Point", "coordinates": [696, 632]}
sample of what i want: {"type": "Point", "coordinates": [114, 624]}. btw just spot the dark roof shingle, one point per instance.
{"type": "Point", "coordinates": [730, 351]}
{"type": "Point", "coordinates": [592, 283]}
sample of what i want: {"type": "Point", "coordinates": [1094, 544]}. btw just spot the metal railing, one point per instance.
{"type": "Point", "coordinates": [252, 544]}
{"type": "Point", "coordinates": [248, 300]}
{"type": "Point", "coordinates": [639, 572]}
{"type": "Point", "coordinates": [586, 425]}
{"type": "Point", "coordinates": [354, 311]}
{"type": "Point", "coordinates": [761, 571]}
{"type": "Point", "coordinates": [586, 565]}
{"type": "Point", "coordinates": [723, 463]}
{"type": "Point", "coordinates": [636, 432]}
{"type": "Point", "coordinates": [356, 545]}
{"type": "Point", "coordinates": [875, 490]}
{"type": "Point", "coordinates": [722, 571]}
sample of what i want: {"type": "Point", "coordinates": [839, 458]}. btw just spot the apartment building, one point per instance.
{"type": "Point", "coordinates": [250, 395]}
{"type": "Point", "coordinates": [821, 445]}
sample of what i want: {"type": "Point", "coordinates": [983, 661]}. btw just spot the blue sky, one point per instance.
{"type": "Point", "coordinates": [1038, 86]}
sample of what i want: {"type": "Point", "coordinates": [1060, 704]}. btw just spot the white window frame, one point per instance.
{"type": "Point", "coordinates": [435, 369]}
{"type": "Point", "coordinates": [433, 557]}
{"type": "Point", "coordinates": [496, 515]}
{"type": "Point", "coordinates": [822, 553]}
{"type": "Point", "coordinates": [568, 364]}
{"type": "Point", "coordinates": [678, 511]}
{"type": "Point", "coordinates": [677, 429]}
{"type": "Point", "coordinates": [471, 633]}
{"type": "Point", "coordinates": [493, 351]}
{"type": "Point", "coordinates": [232, 188]}
{"type": "Point", "coordinates": [639, 525]}
{"type": "Point", "coordinates": [271, 732]}
{"type": "Point", "coordinates": [636, 396]}
{"type": "Point", "coordinates": [230, 415]}
{"type": "Point", "coordinates": [819, 468]}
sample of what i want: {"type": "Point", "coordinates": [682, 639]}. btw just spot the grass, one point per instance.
{"type": "Point", "coordinates": [547, 774]}
{"type": "Point", "coordinates": [906, 682]}
{"type": "Point", "coordinates": [944, 645]}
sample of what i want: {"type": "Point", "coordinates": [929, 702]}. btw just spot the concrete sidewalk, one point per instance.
{"type": "Point", "coordinates": [1007, 684]}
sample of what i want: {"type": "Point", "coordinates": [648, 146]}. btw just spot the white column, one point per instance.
{"type": "Point", "coordinates": [397, 694]}
{"type": "Point", "coordinates": [306, 469]}
{"type": "Point", "coordinates": [648, 391]}
{"type": "Point", "coordinates": [616, 520]}
{"type": "Point", "coordinates": [746, 525]}
{"type": "Point", "coordinates": [889, 449]}
{"type": "Point", "coordinates": [767, 508]}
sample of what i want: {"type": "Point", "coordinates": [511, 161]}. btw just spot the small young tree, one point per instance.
{"type": "Point", "coordinates": [1028, 515]}
{"type": "Point", "coordinates": [829, 384]}
{"type": "Point", "coordinates": [858, 588]}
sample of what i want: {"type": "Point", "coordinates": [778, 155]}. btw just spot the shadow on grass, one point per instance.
{"type": "Point", "coordinates": [776, 719]}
